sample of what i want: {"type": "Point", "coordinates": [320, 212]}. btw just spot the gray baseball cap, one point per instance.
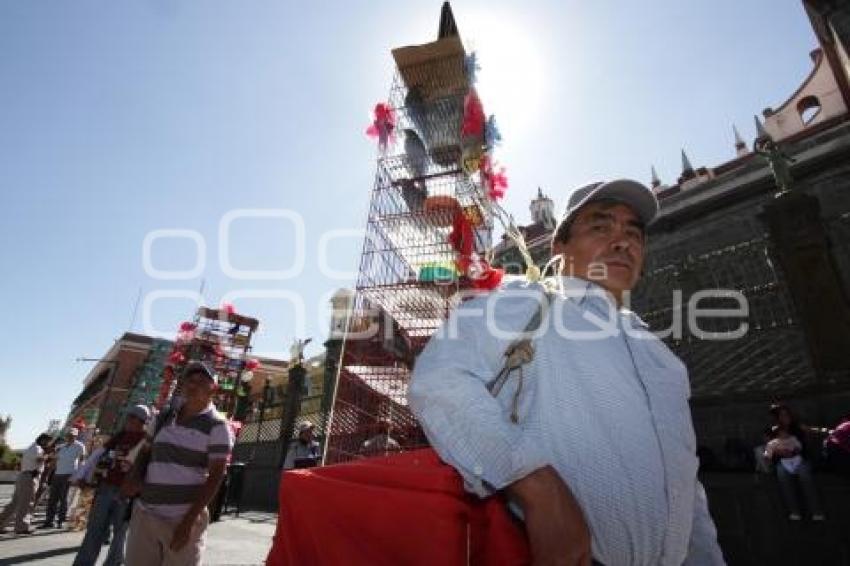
{"type": "Point", "coordinates": [633, 194]}
{"type": "Point", "coordinates": [202, 368]}
{"type": "Point", "coordinates": [140, 412]}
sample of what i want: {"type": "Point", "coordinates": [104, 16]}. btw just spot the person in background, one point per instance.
{"type": "Point", "coordinates": [69, 456]}
{"type": "Point", "coordinates": [304, 452]}
{"type": "Point", "coordinates": [85, 482]}
{"type": "Point", "coordinates": [786, 451]}
{"type": "Point", "coordinates": [45, 478]}
{"type": "Point", "coordinates": [837, 448]}
{"type": "Point", "coordinates": [784, 417]}
{"type": "Point", "coordinates": [110, 507]}
{"type": "Point", "coordinates": [763, 465]}
{"type": "Point", "coordinates": [186, 464]}
{"type": "Point", "coordinates": [21, 505]}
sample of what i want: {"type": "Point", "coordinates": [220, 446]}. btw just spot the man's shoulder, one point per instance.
{"type": "Point", "coordinates": [212, 416]}
{"type": "Point", "coordinates": [500, 313]}
{"type": "Point", "coordinates": [217, 421]}
{"type": "Point", "coordinates": [510, 296]}
{"type": "Point", "coordinates": [217, 417]}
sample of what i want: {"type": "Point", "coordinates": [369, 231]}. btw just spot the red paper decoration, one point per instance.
{"type": "Point", "coordinates": [493, 177]}
{"type": "Point", "coordinates": [473, 116]}
{"type": "Point", "coordinates": [177, 358]}
{"type": "Point", "coordinates": [383, 125]}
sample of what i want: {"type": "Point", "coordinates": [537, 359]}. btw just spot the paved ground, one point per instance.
{"type": "Point", "coordinates": [231, 541]}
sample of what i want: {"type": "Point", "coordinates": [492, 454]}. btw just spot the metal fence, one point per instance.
{"type": "Point", "coordinates": [261, 444]}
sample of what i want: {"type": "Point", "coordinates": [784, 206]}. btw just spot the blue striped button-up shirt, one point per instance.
{"type": "Point", "coordinates": [604, 402]}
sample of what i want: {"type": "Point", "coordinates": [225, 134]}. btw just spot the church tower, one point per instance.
{"type": "Point", "coordinates": [543, 210]}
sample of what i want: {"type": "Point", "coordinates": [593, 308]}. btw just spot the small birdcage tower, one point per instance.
{"type": "Point", "coordinates": [409, 278]}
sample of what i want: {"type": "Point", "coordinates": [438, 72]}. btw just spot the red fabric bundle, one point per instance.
{"type": "Point", "coordinates": [409, 509]}
{"type": "Point", "coordinates": [473, 115]}
{"type": "Point", "coordinates": [461, 237]}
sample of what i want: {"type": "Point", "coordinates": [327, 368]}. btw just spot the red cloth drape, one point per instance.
{"type": "Point", "coordinates": [407, 509]}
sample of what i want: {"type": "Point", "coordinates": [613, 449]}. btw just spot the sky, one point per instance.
{"type": "Point", "coordinates": [153, 148]}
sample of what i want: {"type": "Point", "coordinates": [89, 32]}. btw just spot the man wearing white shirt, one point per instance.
{"type": "Point", "coordinates": [32, 464]}
{"type": "Point", "coordinates": [592, 439]}
{"type": "Point", "coordinates": [304, 452]}
{"type": "Point", "coordinates": [69, 456]}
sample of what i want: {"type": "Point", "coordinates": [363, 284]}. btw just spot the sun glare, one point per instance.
{"type": "Point", "coordinates": [511, 81]}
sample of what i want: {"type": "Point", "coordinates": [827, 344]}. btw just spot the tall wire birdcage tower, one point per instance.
{"type": "Point", "coordinates": [408, 278]}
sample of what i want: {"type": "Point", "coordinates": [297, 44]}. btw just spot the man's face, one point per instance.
{"type": "Point", "coordinates": [198, 388]}
{"type": "Point", "coordinates": [606, 246]}
{"type": "Point", "coordinates": [70, 438]}
{"type": "Point", "coordinates": [307, 435]}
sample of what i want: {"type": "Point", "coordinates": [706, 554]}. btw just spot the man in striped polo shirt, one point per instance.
{"type": "Point", "coordinates": [187, 463]}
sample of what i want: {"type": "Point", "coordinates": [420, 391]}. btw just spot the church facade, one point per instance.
{"type": "Point", "coordinates": [728, 236]}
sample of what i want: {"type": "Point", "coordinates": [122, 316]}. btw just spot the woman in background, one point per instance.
{"type": "Point", "coordinates": [786, 451]}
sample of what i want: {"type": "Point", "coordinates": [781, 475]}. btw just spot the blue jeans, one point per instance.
{"type": "Point", "coordinates": [58, 498]}
{"type": "Point", "coordinates": [109, 508]}
{"type": "Point", "coordinates": [789, 494]}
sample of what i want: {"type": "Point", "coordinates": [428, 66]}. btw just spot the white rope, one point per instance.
{"type": "Point", "coordinates": [532, 272]}
{"type": "Point", "coordinates": [557, 263]}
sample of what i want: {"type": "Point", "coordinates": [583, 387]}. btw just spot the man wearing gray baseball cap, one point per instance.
{"type": "Point", "coordinates": [595, 212]}
{"type": "Point", "coordinates": [109, 511]}
{"type": "Point", "coordinates": [187, 462]}
{"type": "Point", "coordinates": [586, 427]}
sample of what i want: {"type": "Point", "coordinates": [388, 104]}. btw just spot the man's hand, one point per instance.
{"type": "Point", "coordinates": [132, 484]}
{"type": "Point", "coordinates": [557, 532]}
{"type": "Point", "coordinates": [181, 535]}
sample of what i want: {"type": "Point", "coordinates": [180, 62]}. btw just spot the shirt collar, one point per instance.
{"type": "Point", "coordinates": [209, 408]}
{"type": "Point", "coordinates": [588, 294]}
{"type": "Point", "coordinates": [583, 291]}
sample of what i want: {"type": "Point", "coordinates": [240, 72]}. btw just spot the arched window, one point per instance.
{"type": "Point", "coordinates": [808, 107]}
